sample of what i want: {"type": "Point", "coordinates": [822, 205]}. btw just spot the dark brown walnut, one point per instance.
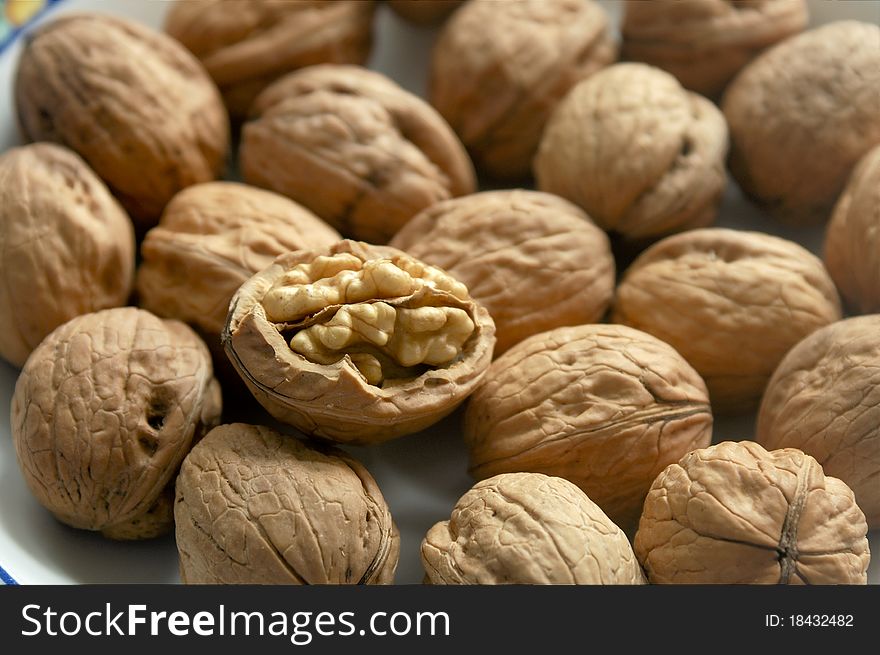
{"type": "Point", "coordinates": [604, 406]}
{"type": "Point", "coordinates": [132, 102]}
{"type": "Point", "coordinates": [211, 238]}
{"type": "Point", "coordinates": [642, 156]}
{"type": "Point", "coordinates": [103, 413]}
{"type": "Point", "coordinates": [257, 507]}
{"type": "Point", "coordinates": [738, 514]}
{"type": "Point", "coordinates": [732, 303]}
{"type": "Point", "coordinates": [66, 246]}
{"type": "Point", "coordinates": [355, 148]}
{"type": "Point", "coordinates": [704, 43]}
{"type": "Point", "coordinates": [852, 242]}
{"type": "Point", "coordinates": [499, 68]}
{"type": "Point", "coordinates": [528, 528]}
{"type": "Point", "coordinates": [245, 46]}
{"type": "Point", "coordinates": [423, 12]}
{"type": "Point", "coordinates": [802, 114]}
{"type": "Point", "coordinates": [357, 343]}
{"type": "Point", "coordinates": [534, 260]}
{"type": "Point", "coordinates": [825, 400]}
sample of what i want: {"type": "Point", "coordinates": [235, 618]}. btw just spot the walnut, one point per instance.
{"type": "Point", "coordinates": [499, 68]}
{"type": "Point", "coordinates": [528, 528]}
{"type": "Point", "coordinates": [704, 43]}
{"type": "Point", "coordinates": [132, 102]}
{"type": "Point", "coordinates": [535, 261]}
{"type": "Point", "coordinates": [802, 114]}
{"type": "Point", "coordinates": [825, 400]}
{"type": "Point", "coordinates": [66, 246]}
{"type": "Point", "coordinates": [357, 343]}
{"type": "Point", "coordinates": [423, 12]}
{"type": "Point", "coordinates": [735, 513]}
{"type": "Point", "coordinates": [245, 46]}
{"type": "Point", "coordinates": [604, 406]}
{"type": "Point", "coordinates": [257, 507]}
{"type": "Point", "coordinates": [355, 148]}
{"type": "Point", "coordinates": [640, 154]}
{"type": "Point", "coordinates": [103, 413]}
{"type": "Point", "coordinates": [852, 242]}
{"type": "Point", "coordinates": [211, 238]}
{"type": "Point", "coordinates": [731, 302]}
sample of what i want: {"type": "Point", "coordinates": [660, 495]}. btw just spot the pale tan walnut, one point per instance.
{"type": "Point", "coordinates": [825, 400]}
{"type": "Point", "coordinates": [355, 148]}
{"type": "Point", "coordinates": [424, 12]}
{"type": "Point", "coordinates": [534, 260]}
{"type": "Point", "coordinates": [257, 507]}
{"type": "Point", "coordinates": [499, 68]}
{"type": "Point", "coordinates": [245, 46]}
{"type": "Point", "coordinates": [642, 156]}
{"type": "Point", "coordinates": [66, 246]}
{"type": "Point", "coordinates": [735, 513]}
{"type": "Point", "coordinates": [604, 406]}
{"type": "Point", "coordinates": [132, 102]}
{"type": "Point", "coordinates": [103, 413]}
{"type": "Point", "coordinates": [528, 528]}
{"type": "Point", "coordinates": [704, 43]}
{"type": "Point", "coordinates": [357, 343]}
{"type": "Point", "coordinates": [802, 114]}
{"type": "Point", "coordinates": [852, 242]}
{"type": "Point", "coordinates": [211, 238]}
{"type": "Point", "coordinates": [731, 302]}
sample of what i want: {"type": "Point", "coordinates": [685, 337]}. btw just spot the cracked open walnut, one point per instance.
{"type": "Point", "coordinates": [357, 343]}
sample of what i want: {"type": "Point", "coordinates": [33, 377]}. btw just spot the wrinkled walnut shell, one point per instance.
{"type": "Point", "coordinates": [132, 102]}
{"type": "Point", "coordinates": [335, 400]}
{"type": "Point", "coordinates": [604, 406]}
{"type": "Point", "coordinates": [852, 242]}
{"type": "Point", "coordinates": [245, 46]}
{"type": "Point", "coordinates": [731, 302]}
{"type": "Point", "coordinates": [825, 400]}
{"type": "Point", "coordinates": [737, 514]}
{"type": "Point", "coordinates": [355, 148]}
{"type": "Point", "coordinates": [528, 528]}
{"type": "Point", "coordinates": [642, 156]}
{"type": "Point", "coordinates": [423, 12]}
{"type": "Point", "coordinates": [704, 43]}
{"type": "Point", "coordinates": [66, 246]}
{"type": "Point", "coordinates": [499, 68]}
{"type": "Point", "coordinates": [211, 238]}
{"type": "Point", "coordinates": [534, 260]}
{"type": "Point", "coordinates": [257, 507]}
{"type": "Point", "coordinates": [103, 413]}
{"type": "Point", "coordinates": [802, 114]}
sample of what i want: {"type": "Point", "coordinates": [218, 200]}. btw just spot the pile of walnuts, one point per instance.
{"type": "Point", "coordinates": [356, 287]}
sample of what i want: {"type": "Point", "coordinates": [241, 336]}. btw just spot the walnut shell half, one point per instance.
{"type": "Point", "coordinates": [499, 68]}
{"type": "Point", "coordinates": [245, 46]}
{"type": "Point", "coordinates": [528, 528]}
{"type": "Point", "coordinates": [534, 260]}
{"type": "Point", "coordinates": [66, 246]}
{"type": "Point", "coordinates": [357, 343]}
{"type": "Point", "coordinates": [355, 148]}
{"type": "Point", "coordinates": [704, 43]}
{"type": "Point", "coordinates": [257, 507]}
{"type": "Point", "coordinates": [852, 242]}
{"type": "Point", "coordinates": [604, 406]}
{"type": "Point", "coordinates": [731, 302]}
{"type": "Point", "coordinates": [103, 413]}
{"type": "Point", "coordinates": [642, 156]}
{"type": "Point", "coordinates": [132, 102]}
{"type": "Point", "coordinates": [825, 400]}
{"type": "Point", "coordinates": [737, 514]}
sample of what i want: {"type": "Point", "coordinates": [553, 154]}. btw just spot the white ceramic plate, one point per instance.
{"type": "Point", "coordinates": [421, 476]}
